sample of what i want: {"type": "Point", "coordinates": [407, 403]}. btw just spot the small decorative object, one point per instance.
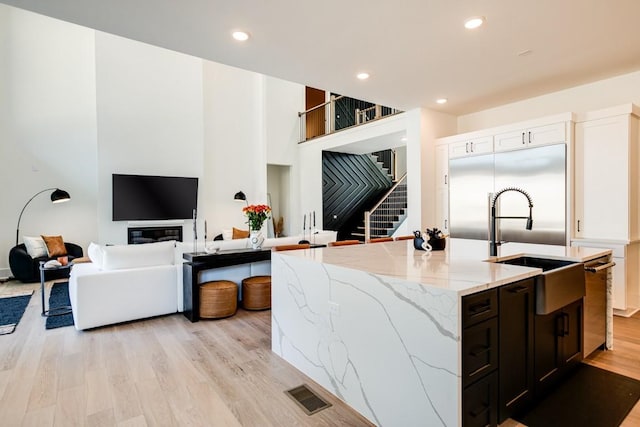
{"type": "Point", "coordinates": [257, 215]}
{"type": "Point", "coordinates": [437, 239]}
{"type": "Point", "coordinates": [419, 243]}
{"type": "Point", "coordinates": [63, 260]}
{"type": "Point", "coordinates": [279, 227]}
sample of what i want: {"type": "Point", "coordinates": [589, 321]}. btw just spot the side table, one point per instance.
{"type": "Point", "coordinates": [55, 311]}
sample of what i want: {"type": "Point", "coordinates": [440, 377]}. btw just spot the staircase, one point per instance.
{"type": "Point", "coordinates": [387, 215]}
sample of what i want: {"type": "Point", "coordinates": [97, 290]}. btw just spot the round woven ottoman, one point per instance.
{"type": "Point", "coordinates": [218, 298]}
{"type": "Point", "coordinates": [256, 293]}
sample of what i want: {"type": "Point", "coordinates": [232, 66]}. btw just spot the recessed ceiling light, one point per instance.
{"type": "Point", "coordinates": [442, 100]}
{"type": "Point", "coordinates": [474, 22]}
{"type": "Point", "coordinates": [403, 139]}
{"type": "Point", "coordinates": [241, 36]}
{"type": "Point", "coordinates": [362, 76]}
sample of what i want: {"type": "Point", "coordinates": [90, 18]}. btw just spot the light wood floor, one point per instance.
{"type": "Point", "coordinates": [164, 371]}
{"type": "Point", "coordinates": [169, 371]}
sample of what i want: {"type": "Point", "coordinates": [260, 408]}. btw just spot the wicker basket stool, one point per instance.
{"type": "Point", "coordinates": [256, 293]}
{"type": "Point", "coordinates": [218, 298]}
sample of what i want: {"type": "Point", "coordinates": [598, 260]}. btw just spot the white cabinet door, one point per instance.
{"type": "Point", "coordinates": [459, 149]}
{"type": "Point", "coordinates": [482, 145]}
{"type": "Point", "coordinates": [442, 166]}
{"type": "Point", "coordinates": [523, 138]}
{"type": "Point", "coordinates": [442, 209]}
{"type": "Point", "coordinates": [602, 179]}
{"type": "Point", "coordinates": [470, 147]}
{"type": "Point", "coordinates": [544, 135]}
{"type": "Point", "coordinates": [510, 140]}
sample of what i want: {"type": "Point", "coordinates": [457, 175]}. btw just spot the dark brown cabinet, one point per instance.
{"type": "Point", "coordinates": [480, 359]}
{"type": "Point", "coordinates": [517, 305]}
{"type": "Point", "coordinates": [558, 345]}
{"type": "Point", "coordinates": [497, 353]}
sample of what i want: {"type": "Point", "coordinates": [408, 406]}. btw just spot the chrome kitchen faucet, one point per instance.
{"type": "Point", "coordinates": [493, 243]}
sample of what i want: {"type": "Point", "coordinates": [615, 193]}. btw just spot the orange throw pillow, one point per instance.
{"type": "Point", "coordinates": [55, 245]}
{"type": "Point", "coordinates": [240, 234]}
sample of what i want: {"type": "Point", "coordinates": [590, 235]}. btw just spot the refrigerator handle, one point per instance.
{"type": "Point", "coordinates": [445, 178]}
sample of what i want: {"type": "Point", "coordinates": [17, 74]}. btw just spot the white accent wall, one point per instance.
{"type": "Point", "coordinates": [150, 120]}
{"type": "Point", "coordinates": [47, 128]}
{"type": "Point", "coordinates": [77, 105]}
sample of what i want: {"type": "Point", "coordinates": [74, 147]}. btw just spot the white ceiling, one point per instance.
{"type": "Point", "coordinates": [415, 50]}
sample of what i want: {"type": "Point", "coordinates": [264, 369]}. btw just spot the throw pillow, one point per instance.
{"type": "Point", "coordinates": [240, 234]}
{"type": "Point", "coordinates": [36, 248]}
{"type": "Point", "coordinates": [95, 253]}
{"type": "Point", "coordinates": [55, 245]}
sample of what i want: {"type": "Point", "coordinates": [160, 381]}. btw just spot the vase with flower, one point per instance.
{"type": "Point", "coordinates": [256, 215]}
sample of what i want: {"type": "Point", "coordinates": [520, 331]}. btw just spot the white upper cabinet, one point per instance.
{"type": "Point", "coordinates": [606, 176]}
{"type": "Point", "coordinates": [532, 136]}
{"type": "Point", "coordinates": [472, 146]}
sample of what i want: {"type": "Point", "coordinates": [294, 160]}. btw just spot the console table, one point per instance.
{"type": "Point", "coordinates": [199, 261]}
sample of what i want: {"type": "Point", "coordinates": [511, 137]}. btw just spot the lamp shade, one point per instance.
{"type": "Point", "coordinates": [240, 196]}
{"type": "Point", "coordinates": [59, 196]}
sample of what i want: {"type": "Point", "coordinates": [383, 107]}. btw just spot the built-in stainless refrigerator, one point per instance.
{"type": "Point", "coordinates": [539, 171]}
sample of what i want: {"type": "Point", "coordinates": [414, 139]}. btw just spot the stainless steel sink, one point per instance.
{"type": "Point", "coordinates": [561, 282]}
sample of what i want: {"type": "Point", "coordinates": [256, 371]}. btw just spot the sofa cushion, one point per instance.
{"type": "Point", "coordinates": [55, 245]}
{"type": "Point", "coordinates": [36, 247]}
{"type": "Point", "coordinates": [95, 254]}
{"type": "Point", "coordinates": [121, 257]}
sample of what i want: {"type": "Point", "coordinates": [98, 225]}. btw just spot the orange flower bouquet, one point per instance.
{"type": "Point", "coordinates": [257, 215]}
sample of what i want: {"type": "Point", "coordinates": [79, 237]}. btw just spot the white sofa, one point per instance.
{"type": "Point", "coordinates": [125, 282]}
{"type": "Point", "coordinates": [129, 282]}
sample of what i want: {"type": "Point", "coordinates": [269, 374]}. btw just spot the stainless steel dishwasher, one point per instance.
{"type": "Point", "coordinates": [595, 303]}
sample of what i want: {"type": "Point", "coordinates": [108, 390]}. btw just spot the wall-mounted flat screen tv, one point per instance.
{"type": "Point", "coordinates": [146, 197]}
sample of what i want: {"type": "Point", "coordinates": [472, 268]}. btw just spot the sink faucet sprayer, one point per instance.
{"type": "Point", "coordinates": [493, 244]}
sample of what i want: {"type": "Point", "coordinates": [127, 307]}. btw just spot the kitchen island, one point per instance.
{"type": "Point", "coordinates": [380, 325]}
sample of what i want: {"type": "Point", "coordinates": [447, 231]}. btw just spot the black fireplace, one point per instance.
{"type": "Point", "coordinates": [138, 235]}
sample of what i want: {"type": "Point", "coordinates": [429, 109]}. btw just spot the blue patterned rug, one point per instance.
{"type": "Point", "coordinates": [59, 297]}
{"type": "Point", "coordinates": [11, 311]}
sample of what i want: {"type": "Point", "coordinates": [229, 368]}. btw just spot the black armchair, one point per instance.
{"type": "Point", "coordinates": [26, 269]}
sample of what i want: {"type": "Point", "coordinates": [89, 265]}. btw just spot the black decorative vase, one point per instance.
{"type": "Point", "coordinates": [438, 244]}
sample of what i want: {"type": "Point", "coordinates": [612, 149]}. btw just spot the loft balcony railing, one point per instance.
{"type": "Point", "coordinates": [339, 113]}
{"type": "Point", "coordinates": [388, 213]}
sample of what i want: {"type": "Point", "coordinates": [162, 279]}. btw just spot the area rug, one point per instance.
{"type": "Point", "coordinates": [11, 310]}
{"type": "Point", "coordinates": [591, 397]}
{"type": "Point", "coordinates": [59, 297]}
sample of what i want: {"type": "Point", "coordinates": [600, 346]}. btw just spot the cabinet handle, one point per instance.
{"type": "Point", "coordinates": [445, 179]}
{"type": "Point", "coordinates": [518, 289]}
{"type": "Point", "coordinates": [479, 308]}
{"type": "Point", "coordinates": [471, 146]}
{"type": "Point", "coordinates": [445, 224]}
{"type": "Point", "coordinates": [600, 267]}
{"type": "Point", "coordinates": [479, 350]}
{"type": "Point", "coordinates": [529, 137]}
{"type": "Point", "coordinates": [578, 226]}
{"type": "Point", "coordinates": [466, 147]}
{"type": "Point", "coordinates": [565, 318]}
{"type": "Point", "coordinates": [560, 325]}
{"type": "Point", "coordinates": [479, 411]}
{"type": "Point", "coordinates": [523, 138]}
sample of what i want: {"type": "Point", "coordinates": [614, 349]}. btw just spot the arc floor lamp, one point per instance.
{"type": "Point", "coordinates": [58, 196]}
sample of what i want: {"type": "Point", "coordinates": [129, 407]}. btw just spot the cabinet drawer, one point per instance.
{"type": "Point", "coordinates": [479, 403]}
{"type": "Point", "coordinates": [479, 307]}
{"type": "Point", "coordinates": [479, 350]}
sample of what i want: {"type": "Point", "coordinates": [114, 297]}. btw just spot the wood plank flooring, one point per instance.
{"type": "Point", "coordinates": [168, 371]}
{"type": "Point", "coordinates": [164, 371]}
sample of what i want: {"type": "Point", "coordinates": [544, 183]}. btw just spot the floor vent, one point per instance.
{"type": "Point", "coordinates": [308, 400]}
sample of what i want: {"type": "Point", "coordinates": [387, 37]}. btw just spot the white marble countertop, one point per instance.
{"type": "Point", "coordinates": [462, 267]}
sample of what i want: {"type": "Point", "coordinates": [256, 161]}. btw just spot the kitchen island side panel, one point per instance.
{"type": "Point", "coordinates": [387, 347]}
